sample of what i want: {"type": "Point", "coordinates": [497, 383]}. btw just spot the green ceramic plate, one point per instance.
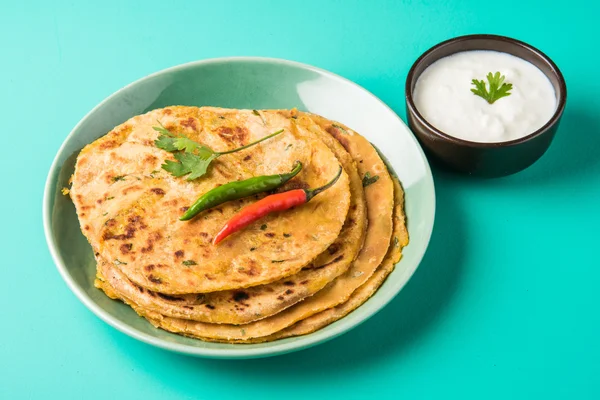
{"type": "Point", "coordinates": [253, 83]}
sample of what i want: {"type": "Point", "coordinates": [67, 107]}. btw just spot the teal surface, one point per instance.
{"type": "Point", "coordinates": [505, 303]}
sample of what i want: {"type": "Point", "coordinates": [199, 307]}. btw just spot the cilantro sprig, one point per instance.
{"type": "Point", "coordinates": [192, 158]}
{"type": "Point", "coordinates": [498, 88]}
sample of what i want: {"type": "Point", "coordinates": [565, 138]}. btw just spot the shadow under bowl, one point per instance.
{"type": "Point", "coordinates": [485, 159]}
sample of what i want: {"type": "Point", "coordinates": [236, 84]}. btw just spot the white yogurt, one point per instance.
{"type": "Point", "coordinates": [443, 97]}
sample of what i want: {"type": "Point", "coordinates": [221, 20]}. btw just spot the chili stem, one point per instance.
{"type": "Point", "coordinates": [249, 144]}
{"type": "Point", "coordinates": [310, 193]}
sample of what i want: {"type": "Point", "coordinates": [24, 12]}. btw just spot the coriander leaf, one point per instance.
{"type": "Point", "coordinates": [198, 165]}
{"type": "Point", "coordinates": [189, 262]}
{"type": "Point", "coordinates": [369, 180]}
{"type": "Point", "coordinates": [188, 145]}
{"type": "Point", "coordinates": [166, 143]}
{"type": "Point", "coordinates": [175, 168]}
{"type": "Point", "coordinates": [192, 157]}
{"type": "Point", "coordinates": [498, 88]}
{"type": "Point", "coordinates": [118, 178]}
{"type": "Point", "coordinates": [187, 163]}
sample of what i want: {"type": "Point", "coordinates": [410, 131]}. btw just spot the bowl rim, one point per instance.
{"type": "Point", "coordinates": [562, 99]}
{"type": "Point", "coordinates": [237, 351]}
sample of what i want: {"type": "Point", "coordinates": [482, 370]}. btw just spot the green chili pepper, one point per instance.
{"type": "Point", "coordinates": [237, 190]}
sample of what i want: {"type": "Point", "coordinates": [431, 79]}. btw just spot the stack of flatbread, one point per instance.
{"type": "Point", "coordinates": [288, 274]}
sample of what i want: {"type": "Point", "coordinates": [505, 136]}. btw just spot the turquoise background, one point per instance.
{"type": "Point", "coordinates": [506, 301]}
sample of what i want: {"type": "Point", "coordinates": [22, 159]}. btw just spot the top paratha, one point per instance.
{"type": "Point", "coordinates": [129, 213]}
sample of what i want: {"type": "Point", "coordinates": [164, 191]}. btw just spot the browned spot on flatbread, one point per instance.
{"type": "Point", "coordinates": [251, 270]}
{"type": "Point", "coordinates": [152, 239]}
{"type": "Point", "coordinates": [109, 144]}
{"type": "Point", "coordinates": [289, 283]}
{"type": "Point", "coordinates": [158, 191]}
{"type": "Point", "coordinates": [124, 130]}
{"type": "Point", "coordinates": [240, 296]}
{"type": "Point", "coordinates": [179, 254]}
{"type": "Point", "coordinates": [135, 222]}
{"type": "Point", "coordinates": [169, 298]}
{"type": "Point", "coordinates": [189, 123]}
{"type": "Point", "coordinates": [337, 259]}
{"type": "Point", "coordinates": [333, 248]}
{"type": "Point", "coordinates": [236, 136]}
{"type": "Point", "coordinates": [150, 159]}
{"type": "Point", "coordinates": [154, 279]}
{"type": "Point", "coordinates": [209, 306]}
{"type": "Point", "coordinates": [126, 248]}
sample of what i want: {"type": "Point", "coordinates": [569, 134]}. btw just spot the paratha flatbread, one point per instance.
{"type": "Point", "coordinates": [129, 212]}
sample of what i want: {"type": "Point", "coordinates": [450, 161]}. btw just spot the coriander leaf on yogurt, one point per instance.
{"type": "Point", "coordinates": [498, 88]}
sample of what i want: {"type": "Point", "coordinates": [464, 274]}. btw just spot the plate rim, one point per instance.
{"type": "Point", "coordinates": [237, 351]}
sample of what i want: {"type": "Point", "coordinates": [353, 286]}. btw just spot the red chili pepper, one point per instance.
{"type": "Point", "coordinates": [275, 202]}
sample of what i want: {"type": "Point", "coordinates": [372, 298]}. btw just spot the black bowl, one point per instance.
{"type": "Point", "coordinates": [485, 159]}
